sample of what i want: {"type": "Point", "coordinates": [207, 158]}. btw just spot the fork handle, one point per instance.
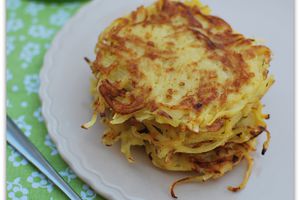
{"type": "Point", "coordinates": [16, 138]}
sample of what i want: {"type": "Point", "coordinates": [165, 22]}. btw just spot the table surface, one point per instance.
{"type": "Point", "coordinates": [31, 26]}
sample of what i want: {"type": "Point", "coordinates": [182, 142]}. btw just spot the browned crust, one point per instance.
{"type": "Point", "coordinates": [214, 165]}
{"type": "Point", "coordinates": [216, 125]}
{"type": "Point", "coordinates": [164, 114]}
{"type": "Point", "coordinates": [110, 92]}
{"type": "Point", "coordinates": [218, 36]}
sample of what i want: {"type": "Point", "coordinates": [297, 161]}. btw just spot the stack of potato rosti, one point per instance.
{"type": "Point", "coordinates": [180, 82]}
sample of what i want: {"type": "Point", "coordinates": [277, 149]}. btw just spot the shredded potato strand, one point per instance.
{"type": "Point", "coordinates": [247, 175]}
{"type": "Point", "coordinates": [91, 122]}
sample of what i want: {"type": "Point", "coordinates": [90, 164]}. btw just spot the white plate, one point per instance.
{"type": "Point", "coordinates": [66, 105]}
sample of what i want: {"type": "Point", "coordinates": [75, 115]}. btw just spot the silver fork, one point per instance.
{"type": "Point", "coordinates": [16, 138]}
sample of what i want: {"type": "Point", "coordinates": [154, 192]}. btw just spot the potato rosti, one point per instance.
{"type": "Point", "coordinates": [179, 81]}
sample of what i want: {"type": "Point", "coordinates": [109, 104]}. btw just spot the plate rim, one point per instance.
{"type": "Point", "coordinates": [103, 188]}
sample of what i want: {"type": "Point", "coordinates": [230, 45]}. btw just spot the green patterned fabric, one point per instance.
{"type": "Point", "coordinates": [31, 26]}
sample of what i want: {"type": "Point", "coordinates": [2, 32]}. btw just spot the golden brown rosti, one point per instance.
{"type": "Point", "coordinates": [173, 63]}
{"type": "Point", "coordinates": [180, 82]}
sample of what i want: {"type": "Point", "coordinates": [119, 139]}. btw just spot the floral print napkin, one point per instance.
{"type": "Point", "coordinates": [31, 25]}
